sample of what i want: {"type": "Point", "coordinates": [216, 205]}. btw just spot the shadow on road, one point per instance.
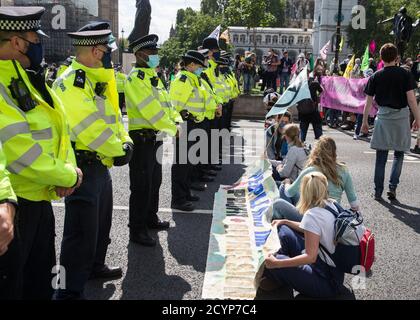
{"type": "Point", "coordinates": [400, 212]}
{"type": "Point", "coordinates": [146, 278]}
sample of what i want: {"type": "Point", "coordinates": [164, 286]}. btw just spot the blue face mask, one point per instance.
{"type": "Point", "coordinates": [35, 54]}
{"type": "Point", "coordinates": [154, 61]}
{"type": "Point", "coordinates": [107, 60]}
{"type": "Point", "coordinates": [216, 55]}
{"type": "Point", "coordinates": [198, 72]}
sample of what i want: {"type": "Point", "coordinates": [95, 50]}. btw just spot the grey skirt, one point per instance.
{"type": "Point", "coordinates": [392, 130]}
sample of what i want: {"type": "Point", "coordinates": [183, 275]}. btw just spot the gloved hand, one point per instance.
{"type": "Point", "coordinates": [128, 148]}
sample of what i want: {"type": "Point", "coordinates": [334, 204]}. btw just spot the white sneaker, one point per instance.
{"type": "Point", "coordinates": [355, 137]}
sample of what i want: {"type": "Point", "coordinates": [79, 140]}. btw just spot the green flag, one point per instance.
{"type": "Point", "coordinates": [365, 61]}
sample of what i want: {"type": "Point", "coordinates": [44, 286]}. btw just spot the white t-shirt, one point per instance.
{"type": "Point", "coordinates": [321, 222]}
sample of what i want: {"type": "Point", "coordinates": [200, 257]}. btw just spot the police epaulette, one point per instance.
{"type": "Point", "coordinates": [183, 78]}
{"type": "Point", "coordinates": [140, 75]}
{"type": "Point", "coordinates": [80, 79]}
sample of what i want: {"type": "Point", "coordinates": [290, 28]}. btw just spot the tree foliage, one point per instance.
{"type": "Point", "coordinates": [379, 10]}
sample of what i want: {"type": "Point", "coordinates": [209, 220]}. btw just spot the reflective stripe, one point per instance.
{"type": "Point", "coordinates": [100, 104]}
{"type": "Point", "coordinates": [177, 103]}
{"type": "Point", "coordinates": [195, 109]}
{"type": "Point", "coordinates": [9, 101]}
{"type": "Point", "coordinates": [12, 130]}
{"type": "Point", "coordinates": [101, 139]}
{"type": "Point", "coordinates": [145, 102]}
{"type": "Point", "coordinates": [25, 160]}
{"type": "Point", "coordinates": [157, 117]}
{"type": "Point", "coordinates": [45, 134]}
{"type": "Point", "coordinates": [84, 124]}
{"type": "Point", "coordinates": [138, 122]}
{"type": "Point", "coordinates": [166, 104]}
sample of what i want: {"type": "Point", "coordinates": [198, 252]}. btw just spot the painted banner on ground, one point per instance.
{"type": "Point", "coordinates": [345, 94]}
{"type": "Point", "coordinates": [241, 235]}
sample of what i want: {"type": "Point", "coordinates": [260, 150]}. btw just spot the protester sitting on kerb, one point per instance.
{"type": "Point", "coordinates": [296, 157]}
{"type": "Point", "coordinates": [300, 263]}
{"type": "Point", "coordinates": [323, 158]}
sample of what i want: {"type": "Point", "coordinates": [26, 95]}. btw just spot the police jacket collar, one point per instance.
{"type": "Point", "coordinates": [94, 74]}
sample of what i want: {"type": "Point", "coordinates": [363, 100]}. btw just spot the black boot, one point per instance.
{"type": "Point", "coordinates": [142, 238]}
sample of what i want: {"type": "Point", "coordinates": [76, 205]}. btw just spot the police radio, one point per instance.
{"type": "Point", "coordinates": [21, 93]}
{"type": "Point", "coordinates": [100, 88]}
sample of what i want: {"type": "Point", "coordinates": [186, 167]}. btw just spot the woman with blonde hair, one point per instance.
{"type": "Point", "coordinates": [323, 158]}
{"type": "Point", "coordinates": [296, 157]}
{"type": "Point", "coordinates": [300, 263]}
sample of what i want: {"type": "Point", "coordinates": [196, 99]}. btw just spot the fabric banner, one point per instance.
{"type": "Point", "coordinates": [241, 235]}
{"type": "Point", "coordinates": [296, 92]}
{"type": "Point", "coordinates": [345, 95]}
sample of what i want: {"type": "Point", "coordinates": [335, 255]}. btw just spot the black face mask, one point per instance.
{"type": "Point", "coordinates": [107, 60]}
{"type": "Point", "coordinates": [35, 54]}
{"type": "Point", "coordinates": [216, 55]}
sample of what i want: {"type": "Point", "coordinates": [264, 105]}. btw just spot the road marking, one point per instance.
{"type": "Point", "coordinates": [161, 210]}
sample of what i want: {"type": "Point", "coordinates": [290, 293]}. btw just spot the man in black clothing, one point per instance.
{"type": "Point", "coordinates": [308, 109]}
{"type": "Point", "coordinates": [285, 70]}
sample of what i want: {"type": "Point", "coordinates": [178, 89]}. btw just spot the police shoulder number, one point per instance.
{"type": "Point", "coordinates": [80, 79]}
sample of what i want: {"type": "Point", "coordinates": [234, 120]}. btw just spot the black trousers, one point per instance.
{"type": "Point", "coordinates": [183, 171]}
{"type": "Point", "coordinates": [87, 225]}
{"type": "Point", "coordinates": [121, 101]}
{"type": "Point", "coordinates": [272, 80]}
{"type": "Point", "coordinates": [145, 181]}
{"type": "Point", "coordinates": [26, 268]}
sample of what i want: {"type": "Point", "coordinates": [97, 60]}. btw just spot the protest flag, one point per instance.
{"type": "Point", "coordinates": [365, 61]}
{"type": "Point", "coordinates": [349, 68]}
{"type": "Point", "coordinates": [324, 51]}
{"type": "Point", "coordinates": [216, 33]}
{"type": "Point", "coordinates": [372, 47]}
{"type": "Point", "coordinates": [297, 91]}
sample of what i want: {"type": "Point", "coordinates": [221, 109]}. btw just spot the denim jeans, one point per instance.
{"type": "Point", "coordinates": [284, 81]}
{"type": "Point", "coordinates": [381, 159]}
{"type": "Point", "coordinates": [316, 280]}
{"type": "Point", "coordinates": [283, 209]}
{"type": "Point", "coordinates": [293, 200]}
{"type": "Point", "coordinates": [359, 124]}
{"type": "Point", "coordinates": [247, 82]}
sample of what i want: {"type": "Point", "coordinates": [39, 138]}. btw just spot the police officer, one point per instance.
{"type": "Point", "coordinates": [89, 93]}
{"type": "Point", "coordinates": [150, 114]}
{"type": "Point", "coordinates": [188, 96]}
{"type": "Point", "coordinates": [213, 113]}
{"type": "Point", "coordinates": [8, 205]}
{"type": "Point", "coordinates": [212, 76]}
{"type": "Point", "coordinates": [231, 90]}
{"type": "Point", "coordinates": [120, 77]}
{"type": "Point", "coordinates": [37, 146]}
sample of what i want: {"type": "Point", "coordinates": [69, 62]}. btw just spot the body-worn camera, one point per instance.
{"type": "Point", "coordinates": [21, 93]}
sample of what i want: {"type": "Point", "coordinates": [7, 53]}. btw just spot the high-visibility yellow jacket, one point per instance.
{"type": "Point", "coordinates": [36, 143]}
{"type": "Point", "coordinates": [188, 93]}
{"type": "Point", "coordinates": [120, 77]}
{"type": "Point", "coordinates": [217, 81]}
{"type": "Point", "coordinates": [148, 103]}
{"type": "Point", "coordinates": [235, 92]}
{"type": "Point", "coordinates": [6, 190]}
{"type": "Point", "coordinates": [62, 69]}
{"type": "Point", "coordinates": [90, 100]}
{"type": "Point", "coordinates": [222, 88]}
{"type": "Point", "coordinates": [212, 101]}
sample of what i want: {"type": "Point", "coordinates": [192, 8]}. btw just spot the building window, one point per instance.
{"type": "Point", "coordinates": [235, 38]}
{"type": "Point", "coordinates": [300, 40]}
{"type": "Point", "coordinates": [251, 38]}
{"type": "Point", "coordinates": [259, 39]}
{"type": "Point", "coordinates": [307, 39]}
{"type": "Point", "coordinates": [291, 40]}
{"type": "Point", "coordinates": [267, 39]}
{"type": "Point", "coordinates": [284, 39]}
{"type": "Point", "coordinates": [242, 38]}
{"type": "Point", "coordinates": [275, 39]}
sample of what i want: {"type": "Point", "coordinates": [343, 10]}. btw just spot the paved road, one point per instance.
{"type": "Point", "coordinates": [175, 268]}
